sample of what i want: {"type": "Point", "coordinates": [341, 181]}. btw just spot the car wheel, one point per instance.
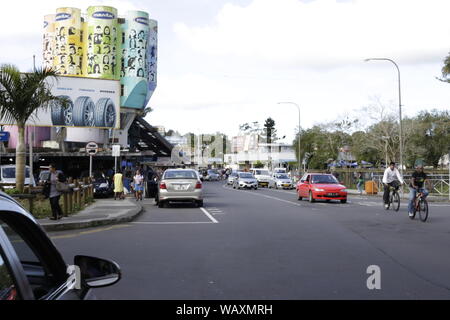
{"type": "Point", "coordinates": [200, 203]}
{"type": "Point", "coordinates": [83, 112]}
{"type": "Point", "coordinates": [61, 115]}
{"type": "Point", "coordinates": [311, 198]}
{"type": "Point", "coordinates": [105, 113]}
{"type": "Point", "coordinates": [160, 204]}
{"type": "Point", "coordinates": [344, 201]}
{"type": "Point", "coordinates": [299, 198]}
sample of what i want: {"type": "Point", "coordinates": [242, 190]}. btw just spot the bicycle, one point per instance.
{"type": "Point", "coordinates": [421, 206]}
{"type": "Point", "coordinates": [394, 199]}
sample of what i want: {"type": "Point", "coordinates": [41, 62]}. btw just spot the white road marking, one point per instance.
{"type": "Point", "coordinates": [266, 196]}
{"type": "Point", "coordinates": [185, 222]}
{"type": "Point", "coordinates": [209, 216]}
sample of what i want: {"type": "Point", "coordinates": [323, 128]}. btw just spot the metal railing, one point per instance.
{"type": "Point", "coordinates": [438, 184]}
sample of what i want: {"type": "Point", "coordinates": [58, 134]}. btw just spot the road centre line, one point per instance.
{"type": "Point", "coordinates": [266, 196]}
{"type": "Point", "coordinates": [164, 222]}
{"type": "Point", "coordinates": [72, 235]}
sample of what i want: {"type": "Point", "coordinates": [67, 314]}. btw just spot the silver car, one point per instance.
{"type": "Point", "coordinates": [245, 180]}
{"type": "Point", "coordinates": [212, 175]}
{"type": "Point", "coordinates": [231, 178]}
{"type": "Point", "coordinates": [281, 181]}
{"type": "Point", "coordinates": [180, 185]}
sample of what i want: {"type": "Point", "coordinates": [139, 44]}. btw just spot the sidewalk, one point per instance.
{"type": "Point", "coordinates": [430, 198]}
{"type": "Point", "coordinates": [102, 212]}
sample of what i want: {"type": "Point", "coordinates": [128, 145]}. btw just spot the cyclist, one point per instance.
{"type": "Point", "coordinates": [391, 178]}
{"type": "Point", "coordinates": [417, 184]}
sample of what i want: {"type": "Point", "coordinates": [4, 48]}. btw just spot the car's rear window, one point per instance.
{"type": "Point", "coordinates": [180, 175]}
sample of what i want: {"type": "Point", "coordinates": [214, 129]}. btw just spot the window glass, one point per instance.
{"type": "Point", "coordinates": [10, 173]}
{"type": "Point", "coordinates": [8, 290]}
{"type": "Point", "coordinates": [40, 280]}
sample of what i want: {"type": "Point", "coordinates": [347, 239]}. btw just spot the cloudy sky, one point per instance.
{"type": "Point", "coordinates": [226, 62]}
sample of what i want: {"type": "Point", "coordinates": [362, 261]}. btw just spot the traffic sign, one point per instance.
{"type": "Point", "coordinates": [4, 136]}
{"type": "Point", "coordinates": [116, 150]}
{"type": "Point", "coordinates": [91, 148]}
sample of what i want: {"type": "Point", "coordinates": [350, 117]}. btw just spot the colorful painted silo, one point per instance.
{"type": "Point", "coordinates": [134, 66]}
{"type": "Point", "coordinates": [48, 40]}
{"type": "Point", "coordinates": [101, 38]}
{"type": "Point", "coordinates": [68, 51]}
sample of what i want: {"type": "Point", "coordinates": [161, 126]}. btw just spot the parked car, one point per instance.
{"type": "Point", "coordinates": [32, 268]}
{"type": "Point", "coordinates": [152, 184]}
{"type": "Point", "coordinates": [281, 181]}
{"type": "Point", "coordinates": [245, 180]}
{"type": "Point", "coordinates": [320, 186]}
{"type": "Point", "coordinates": [212, 175]}
{"type": "Point", "coordinates": [102, 187]}
{"type": "Point", "coordinates": [231, 178]}
{"type": "Point", "coordinates": [262, 175]}
{"type": "Point", "coordinates": [8, 176]}
{"type": "Point", "coordinates": [180, 185]}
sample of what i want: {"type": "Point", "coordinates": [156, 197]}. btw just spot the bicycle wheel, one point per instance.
{"type": "Point", "coordinates": [395, 201]}
{"type": "Point", "coordinates": [414, 210]}
{"type": "Point", "coordinates": [423, 210]}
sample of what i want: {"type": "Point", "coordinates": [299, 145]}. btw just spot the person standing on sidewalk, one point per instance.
{"type": "Point", "coordinates": [138, 180]}
{"type": "Point", "coordinates": [54, 193]}
{"type": "Point", "coordinates": [118, 185]}
{"type": "Point", "coordinates": [360, 182]}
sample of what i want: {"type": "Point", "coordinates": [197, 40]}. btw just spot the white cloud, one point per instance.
{"type": "Point", "coordinates": [325, 32]}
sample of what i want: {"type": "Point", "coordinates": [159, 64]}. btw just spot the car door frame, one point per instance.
{"type": "Point", "coordinates": [15, 267]}
{"type": "Point", "coordinates": [38, 241]}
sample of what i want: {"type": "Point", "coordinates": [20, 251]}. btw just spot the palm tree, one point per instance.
{"type": "Point", "coordinates": [21, 94]}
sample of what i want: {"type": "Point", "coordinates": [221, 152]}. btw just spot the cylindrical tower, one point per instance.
{"type": "Point", "coordinates": [134, 66]}
{"type": "Point", "coordinates": [48, 41]}
{"type": "Point", "coordinates": [68, 51]}
{"type": "Point", "coordinates": [152, 58]}
{"type": "Point", "coordinates": [101, 43]}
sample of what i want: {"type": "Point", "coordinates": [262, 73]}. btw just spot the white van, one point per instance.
{"type": "Point", "coordinates": [262, 175]}
{"type": "Point", "coordinates": [8, 176]}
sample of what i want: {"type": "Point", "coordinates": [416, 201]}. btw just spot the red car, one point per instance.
{"type": "Point", "coordinates": [321, 186]}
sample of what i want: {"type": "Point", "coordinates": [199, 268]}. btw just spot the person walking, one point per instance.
{"type": "Point", "coordinates": [118, 185]}
{"type": "Point", "coordinates": [360, 182]}
{"type": "Point", "coordinates": [138, 181]}
{"type": "Point", "coordinates": [54, 194]}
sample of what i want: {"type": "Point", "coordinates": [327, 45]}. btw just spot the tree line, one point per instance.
{"type": "Point", "coordinates": [372, 135]}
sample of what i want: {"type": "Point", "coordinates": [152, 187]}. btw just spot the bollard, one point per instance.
{"type": "Point", "coordinates": [65, 205]}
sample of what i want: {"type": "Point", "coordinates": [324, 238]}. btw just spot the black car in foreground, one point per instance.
{"type": "Point", "coordinates": [31, 268]}
{"type": "Point", "coordinates": [102, 187]}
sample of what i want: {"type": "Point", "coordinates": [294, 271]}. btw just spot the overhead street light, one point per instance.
{"type": "Point", "coordinates": [399, 107]}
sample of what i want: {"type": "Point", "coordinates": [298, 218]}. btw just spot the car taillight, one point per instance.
{"type": "Point", "coordinates": [162, 185]}
{"type": "Point", "coordinates": [198, 185]}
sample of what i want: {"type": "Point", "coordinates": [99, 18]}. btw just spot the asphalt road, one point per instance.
{"type": "Point", "coordinates": [265, 244]}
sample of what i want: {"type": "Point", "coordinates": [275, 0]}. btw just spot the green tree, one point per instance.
{"type": "Point", "coordinates": [21, 94]}
{"type": "Point", "coordinates": [431, 137]}
{"type": "Point", "coordinates": [446, 70]}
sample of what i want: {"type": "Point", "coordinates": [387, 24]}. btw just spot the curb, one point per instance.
{"type": "Point", "coordinates": [90, 223]}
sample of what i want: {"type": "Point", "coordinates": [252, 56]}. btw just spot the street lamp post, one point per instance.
{"type": "Point", "coordinates": [399, 107]}
{"type": "Point", "coordinates": [299, 133]}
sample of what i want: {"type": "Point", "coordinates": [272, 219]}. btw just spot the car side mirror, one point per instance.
{"type": "Point", "coordinates": [96, 272]}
